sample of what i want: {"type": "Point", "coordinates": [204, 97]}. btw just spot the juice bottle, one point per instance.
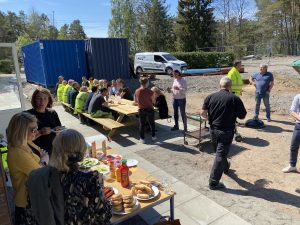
{"type": "Point", "coordinates": [124, 174]}
{"type": "Point", "coordinates": [118, 173]}
{"type": "Point", "coordinates": [104, 147]}
{"type": "Point", "coordinates": [94, 150]}
{"type": "Point", "coordinates": [112, 169]}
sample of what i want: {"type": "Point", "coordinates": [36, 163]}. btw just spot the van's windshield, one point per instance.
{"type": "Point", "coordinates": [169, 57]}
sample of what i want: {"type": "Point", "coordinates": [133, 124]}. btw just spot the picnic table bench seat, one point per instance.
{"type": "Point", "coordinates": [105, 122]}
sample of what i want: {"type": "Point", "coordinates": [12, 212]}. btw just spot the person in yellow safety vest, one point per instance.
{"type": "Point", "coordinates": [66, 89]}
{"type": "Point", "coordinates": [91, 82]}
{"type": "Point", "coordinates": [3, 150]}
{"type": "Point", "coordinates": [235, 76]}
{"type": "Point", "coordinates": [60, 90]}
{"type": "Point", "coordinates": [80, 100]}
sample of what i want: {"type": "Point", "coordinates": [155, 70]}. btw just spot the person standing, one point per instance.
{"type": "Point", "coordinates": [236, 78]}
{"type": "Point", "coordinates": [222, 109]}
{"type": "Point", "coordinates": [179, 89]}
{"type": "Point", "coordinates": [143, 97]}
{"type": "Point", "coordinates": [263, 82]}
{"type": "Point", "coordinates": [295, 142]}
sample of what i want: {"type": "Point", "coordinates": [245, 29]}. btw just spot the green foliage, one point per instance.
{"type": "Point", "coordinates": [63, 32]}
{"type": "Point", "coordinates": [195, 25]}
{"type": "Point", "coordinates": [76, 31]}
{"type": "Point", "coordinates": [6, 66]}
{"type": "Point", "coordinates": [197, 60]}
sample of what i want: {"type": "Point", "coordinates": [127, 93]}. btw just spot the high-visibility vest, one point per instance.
{"type": "Point", "coordinates": [237, 81]}
{"type": "Point", "coordinates": [4, 157]}
{"type": "Point", "coordinates": [80, 101]}
{"type": "Point", "coordinates": [65, 93]}
{"type": "Point", "coordinates": [60, 92]}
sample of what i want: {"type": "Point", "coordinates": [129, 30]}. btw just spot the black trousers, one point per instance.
{"type": "Point", "coordinates": [221, 140]}
{"type": "Point", "coordinates": [146, 114]}
{"type": "Point", "coordinates": [20, 218]}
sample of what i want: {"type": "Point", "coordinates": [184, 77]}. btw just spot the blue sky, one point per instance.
{"type": "Point", "coordinates": [93, 14]}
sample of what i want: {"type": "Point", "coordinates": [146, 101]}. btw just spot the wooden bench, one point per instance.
{"type": "Point", "coordinates": [67, 107]}
{"type": "Point", "coordinates": [105, 122]}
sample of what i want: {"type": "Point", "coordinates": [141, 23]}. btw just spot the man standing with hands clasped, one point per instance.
{"type": "Point", "coordinates": [222, 109]}
{"type": "Point", "coordinates": [263, 82]}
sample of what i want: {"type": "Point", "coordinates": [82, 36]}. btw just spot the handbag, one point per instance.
{"type": "Point", "coordinates": [163, 221]}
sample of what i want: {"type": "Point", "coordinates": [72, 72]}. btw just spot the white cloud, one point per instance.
{"type": "Point", "coordinates": [95, 32]}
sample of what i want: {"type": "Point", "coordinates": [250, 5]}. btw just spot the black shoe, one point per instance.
{"type": "Point", "coordinates": [220, 185]}
{"type": "Point", "coordinates": [174, 128]}
{"type": "Point", "coordinates": [226, 171]}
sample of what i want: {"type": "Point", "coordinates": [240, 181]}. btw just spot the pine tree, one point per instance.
{"type": "Point", "coordinates": [63, 33]}
{"type": "Point", "coordinates": [195, 25]}
{"type": "Point", "coordinates": [76, 30]}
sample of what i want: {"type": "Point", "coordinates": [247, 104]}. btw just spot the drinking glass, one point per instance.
{"type": "Point", "coordinates": [166, 183]}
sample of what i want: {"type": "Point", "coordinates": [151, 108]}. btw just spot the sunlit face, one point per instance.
{"type": "Point", "coordinates": [32, 130]}
{"type": "Point", "coordinates": [263, 69]}
{"type": "Point", "coordinates": [41, 101]}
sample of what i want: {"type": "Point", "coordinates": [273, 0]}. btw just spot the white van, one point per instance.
{"type": "Point", "coordinates": [157, 62]}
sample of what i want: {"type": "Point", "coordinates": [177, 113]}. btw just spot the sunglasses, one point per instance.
{"type": "Point", "coordinates": [34, 130]}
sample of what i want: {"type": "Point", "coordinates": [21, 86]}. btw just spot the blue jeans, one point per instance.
{"type": "Point", "coordinates": [179, 103]}
{"type": "Point", "coordinates": [295, 145]}
{"type": "Point", "coordinates": [265, 97]}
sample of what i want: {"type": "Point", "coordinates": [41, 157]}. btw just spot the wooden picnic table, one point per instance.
{"type": "Point", "coordinates": [136, 174]}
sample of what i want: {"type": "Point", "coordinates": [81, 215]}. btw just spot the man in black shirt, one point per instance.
{"type": "Point", "coordinates": [98, 101]}
{"type": "Point", "coordinates": [221, 109]}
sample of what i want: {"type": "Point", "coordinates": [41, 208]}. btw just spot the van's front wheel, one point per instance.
{"type": "Point", "coordinates": [169, 71]}
{"type": "Point", "coordinates": [139, 70]}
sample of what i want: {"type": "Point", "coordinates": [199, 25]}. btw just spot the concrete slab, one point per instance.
{"type": "Point", "coordinates": [231, 219]}
{"type": "Point", "coordinates": [203, 210]}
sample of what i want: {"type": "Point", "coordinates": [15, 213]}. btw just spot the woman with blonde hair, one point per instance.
{"type": "Point", "coordinates": [160, 102]}
{"type": "Point", "coordinates": [23, 157]}
{"type": "Point", "coordinates": [78, 199]}
{"type": "Point", "coordinates": [48, 120]}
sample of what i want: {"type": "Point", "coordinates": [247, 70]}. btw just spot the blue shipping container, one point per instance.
{"type": "Point", "coordinates": [45, 60]}
{"type": "Point", "coordinates": [107, 58]}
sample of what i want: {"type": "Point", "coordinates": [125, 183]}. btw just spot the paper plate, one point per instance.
{"type": "Point", "coordinates": [104, 169]}
{"type": "Point", "coordinates": [132, 162]}
{"type": "Point", "coordinates": [156, 193]}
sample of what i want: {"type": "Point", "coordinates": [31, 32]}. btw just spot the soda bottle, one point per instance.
{"type": "Point", "coordinates": [118, 173]}
{"type": "Point", "coordinates": [124, 174]}
{"type": "Point", "coordinates": [112, 169]}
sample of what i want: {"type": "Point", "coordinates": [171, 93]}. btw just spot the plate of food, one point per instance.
{"type": "Point", "coordinates": [144, 190]}
{"type": "Point", "coordinates": [88, 163]}
{"type": "Point", "coordinates": [104, 169]}
{"type": "Point", "coordinates": [58, 129]}
{"type": "Point", "coordinates": [123, 204]}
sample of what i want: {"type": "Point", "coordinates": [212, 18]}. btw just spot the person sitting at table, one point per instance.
{"type": "Point", "coordinates": [73, 94]}
{"type": "Point", "coordinates": [89, 98]}
{"type": "Point", "coordinates": [161, 103]}
{"type": "Point", "coordinates": [91, 83]}
{"type": "Point", "coordinates": [124, 92]}
{"type": "Point", "coordinates": [66, 90]}
{"type": "Point", "coordinates": [23, 157]}
{"type": "Point", "coordinates": [48, 119]}
{"type": "Point", "coordinates": [114, 88]}
{"type": "Point", "coordinates": [99, 105]}
{"type": "Point", "coordinates": [84, 82]}
{"type": "Point", "coordinates": [103, 83]}
{"type": "Point", "coordinates": [60, 90]}
{"type": "Point", "coordinates": [80, 100]}
{"type": "Point", "coordinates": [62, 194]}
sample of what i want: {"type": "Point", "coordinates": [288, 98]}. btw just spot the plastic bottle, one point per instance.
{"type": "Point", "coordinates": [112, 169]}
{"type": "Point", "coordinates": [94, 150]}
{"type": "Point", "coordinates": [124, 174]}
{"type": "Point", "coordinates": [118, 173]}
{"type": "Point", "coordinates": [104, 147]}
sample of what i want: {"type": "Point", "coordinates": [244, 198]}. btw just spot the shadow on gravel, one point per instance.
{"type": "Point", "coordinates": [234, 149]}
{"type": "Point", "coordinates": [179, 148]}
{"type": "Point", "coordinates": [274, 129]}
{"type": "Point", "coordinates": [259, 190]}
{"type": "Point", "coordinates": [283, 122]}
{"type": "Point", "coordinates": [256, 141]}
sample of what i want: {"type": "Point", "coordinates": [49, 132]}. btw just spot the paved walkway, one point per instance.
{"type": "Point", "coordinates": [191, 207]}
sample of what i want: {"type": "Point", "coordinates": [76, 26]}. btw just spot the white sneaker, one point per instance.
{"type": "Point", "coordinates": [154, 138]}
{"type": "Point", "coordinates": [143, 141]}
{"type": "Point", "coordinates": [289, 169]}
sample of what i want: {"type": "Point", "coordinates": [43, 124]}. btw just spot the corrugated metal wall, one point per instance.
{"type": "Point", "coordinates": [55, 57]}
{"type": "Point", "coordinates": [107, 58]}
{"type": "Point", "coordinates": [33, 63]}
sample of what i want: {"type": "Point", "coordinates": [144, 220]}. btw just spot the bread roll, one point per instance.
{"type": "Point", "coordinates": [118, 208]}
{"type": "Point", "coordinates": [116, 197]}
{"type": "Point", "coordinates": [128, 210]}
{"type": "Point", "coordinates": [128, 205]}
{"type": "Point", "coordinates": [116, 202]}
{"type": "Point", "coordinates": [143, 196]}
{"type": "Point", "coordinates": [140, 186]}
{"type": "Point", "coordinates": [147, 183]}
{"type": "Point", "coordinates": [127, 197]}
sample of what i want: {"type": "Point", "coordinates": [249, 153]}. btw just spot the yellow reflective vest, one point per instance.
{"type": "Point", "coordinates": [80, 101]}
{"type": "Point", "coordinates": [65, 93]}
{"type": "Point", "coordinates": [237, 81]}
{"type": "Point", "coordinates": [60, 92]}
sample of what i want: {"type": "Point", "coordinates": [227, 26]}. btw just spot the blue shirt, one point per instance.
{"type": "Point", "coordinates": [262, 82]}
{"type": "Point", "coordinates": [88, 100]}
{"type": "Point", "coordinates": [114, 90]}
{"type": "Point", "coordinates": [296, 105]}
